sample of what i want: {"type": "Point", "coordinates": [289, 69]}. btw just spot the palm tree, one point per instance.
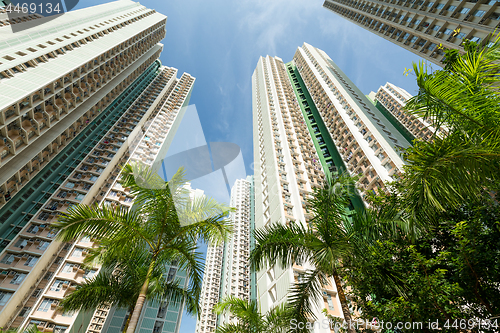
{"type": "Point", "coordinates": [462, 159]}
{"type": "Point", "coordinates": [323, 244]}
{"type": "Point", "coordinates": [135, 246]}
{"type": "Point", "coordinates": [249, 318]}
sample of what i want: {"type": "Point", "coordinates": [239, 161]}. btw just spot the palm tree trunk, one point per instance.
{"type": "Point", "coordinates": [134, 318]}
{"type": "Point", "coordinates": [343, 302]}
{"type": "Point", "coordinates": [128, 321]}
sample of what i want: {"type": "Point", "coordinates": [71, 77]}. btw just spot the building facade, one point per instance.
{"type": "Point", "coordinates": [210, 290]}
{"type": "Point", "coordinates": [235, 265]}
{"type": "Point", "coordinates": [227, 269]}
{"type": "Point", "coordinates": [421, 26]}
{"type": "Point", "coordinates": [391, 101]}
{"type": "Point", "coordinates": [55, 85]}
{"type": "Point", "coordinates": [310, 119]}
{"type": "Point", "coordinates": [81, 95]}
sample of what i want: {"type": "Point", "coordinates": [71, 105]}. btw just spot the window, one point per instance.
{"type": "Point", "coordinates": [479, 13]}
{"type": "Point", "coordinates": [31, 261]}
{"type": "Point", "coordinates": [18, 278]}
{"type": "Point", "coordinates": [58, 284]}
{"type": "Point", "coordinates": [475, 39]}
{"type": "Point", "coordinates": [33, 229]}
{"type": "Point", "coordinates": [4, 297]}
{"type": "Point", "coordinates": [461, 35]}
{"type": "Point", "coordinates": [43, 245]}
{"type": "Point", "coordinates": [52, 233]}
{"type": "Point", "coordinates": [495, 16]}
{"type": "Point", "coordinates": [451, 8]}
{"type": "Point", "coordinates": [21, 243]}
{"type": "Point", "coordinates": [24, 312]}
{"type": "Point", "coordinates": [8, 259]}
{"type": "Point", "coordinates": [68, 268]}
{"type": "Point", "coordinates": [70, 185]}
{"type": "Point", "coordinates": [464, 10]}
{"type": "Point", "coordinates": [436, 27]}
{"type": "Point", "coordinates": [45, 305]}
{"type": "Point", "coordinates": [60, 329]}
{"type": "Point", "coordinates": [447, 31]}
{"type": "Point", "coordinates": [440, 6]}
{"type": "Point", "coordinates": [330, 302]}
{"type": "Point", "coordinates": [36, 293]}
{"type": "Point", "coordinates": [78, 252]}
{"type": "Point", "coordinates": [89, 273]}
{"type": "Point", "coordinates": [68, 313]}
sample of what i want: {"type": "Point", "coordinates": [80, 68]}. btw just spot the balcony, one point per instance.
{"type": "Point", "coordinates": [5, 150]}
{"type": "Point", "coordinates": [17, 137]}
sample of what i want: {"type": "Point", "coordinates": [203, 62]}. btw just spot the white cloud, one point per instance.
{"type": "Point", "coordinates": [271, 21]}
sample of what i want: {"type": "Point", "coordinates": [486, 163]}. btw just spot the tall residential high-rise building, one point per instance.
{"type": "Point", "coordinates": [421, 26]}
{"type": "Point", "coordinates": [81, 95]}
{"type": "Point", "coordinates": [210, 290]}
{"type": "Point", "coordinates": [235, 278]}
{"type": "Point", "coordinates": [227, 269]}
{"type": "Point", "coordinates": [56, 78]}
{"type": "Point", "coordinates": [310, 119]}
{"type": "Point", "coordinates": [391, 101]}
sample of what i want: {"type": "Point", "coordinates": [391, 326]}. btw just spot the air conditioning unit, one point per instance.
{"type": "Point", "coordinates": [12, 273]}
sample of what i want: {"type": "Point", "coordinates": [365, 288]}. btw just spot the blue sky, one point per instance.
{"type": "Point", "coordinates": [220, 41]}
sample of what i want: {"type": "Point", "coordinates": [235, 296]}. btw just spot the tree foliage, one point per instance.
{"type": "Point", "coordinates": [136, 246]}
{"type": "Point", "coordinates": [249, 319]}
{"type": "Point", "coordinates": [444, 265]}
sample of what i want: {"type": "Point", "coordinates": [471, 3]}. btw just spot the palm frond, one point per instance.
{"type": "Point", "coordinates": [100, 222]}
{"type": "Point", "coordinates": [106, 287]}
{"type": "Point", "coordinates": [283, 244]}
{"type": "Point", "coordinates": [305, 295]}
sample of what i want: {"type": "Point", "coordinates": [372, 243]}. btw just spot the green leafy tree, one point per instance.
{"type": "Point", "coordinates": [250, 319]}
{"type": "Point", "coordinates": [135, 246]}
{"type": "Point", "coordinates": [462, 101]}
{"type": "Point", "coordinates": [323, 243]}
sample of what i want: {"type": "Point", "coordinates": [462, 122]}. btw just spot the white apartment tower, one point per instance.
{"type": "Point", "coordinates": [393, 100]}
{"type": "Point", "coordinates": [424, 27]}
{"type": "Point", "coordinates": [235, 267]}
{"type": "Point", "coordinates": [210, 290]}
{"type": "Point", "coordinates": [227, 271]}
{"type": "Point", "coordinates": [80, 95]}
{"type": "Point", "coordinates": [309, 118]}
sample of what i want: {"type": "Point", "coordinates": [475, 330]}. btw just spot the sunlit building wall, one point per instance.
{"type": "Point", "coordinates": [84, 94]}
{"type": "Point", "coordinates": [227, 268]}
{"type": "Point", "coordinates": [309, 118]}
{"type": "Point", "coordinates": [422, 26]}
